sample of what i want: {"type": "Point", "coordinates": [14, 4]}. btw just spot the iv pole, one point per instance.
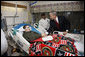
{"type": "Point", "coordinates": [15, 13]}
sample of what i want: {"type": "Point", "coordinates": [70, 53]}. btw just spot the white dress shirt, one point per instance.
{"type": "Point", "coordinates": [57, 20]}
{"type": "Point", "coordinates": [45, 23]}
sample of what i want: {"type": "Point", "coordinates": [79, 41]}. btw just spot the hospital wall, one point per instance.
{"type": "Point", "coordinates": [23, 14]}
{"type": "Point", "coordinates": [47, 6]}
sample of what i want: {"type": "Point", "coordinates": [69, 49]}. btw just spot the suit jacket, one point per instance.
{"type": "Point", "coordinates": [63, 23]}
{"type": "Point", "coordinates": [30, 36]}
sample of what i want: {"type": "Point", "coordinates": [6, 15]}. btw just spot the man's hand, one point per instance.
{"type": "Point", "coordinates": [64, 33]}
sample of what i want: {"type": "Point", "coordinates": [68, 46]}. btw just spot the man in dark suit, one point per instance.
{"type": "Point", "coordinates": [58, 23]}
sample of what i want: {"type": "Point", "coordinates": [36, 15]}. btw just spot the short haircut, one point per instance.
{"type": "Point", "coordinates": [43, 14]}
{"type": "Point", "coordinates": [53, 12]}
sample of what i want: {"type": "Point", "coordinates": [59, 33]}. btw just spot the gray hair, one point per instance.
{"type": "Point", "coordinates": [53, 12]}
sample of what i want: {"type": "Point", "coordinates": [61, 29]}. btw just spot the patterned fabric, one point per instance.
{"type": "Point", "coordinates": [59, 46]}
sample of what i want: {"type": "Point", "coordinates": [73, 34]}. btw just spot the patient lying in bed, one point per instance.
{"type": "Point", "coordinates": [30, 35]}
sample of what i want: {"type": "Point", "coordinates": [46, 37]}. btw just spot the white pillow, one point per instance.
{"type": "Point", "coordinates": [21, 29]}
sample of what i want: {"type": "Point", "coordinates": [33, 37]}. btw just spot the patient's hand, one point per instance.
{"type": "Point", "coordinates": [44, 34]}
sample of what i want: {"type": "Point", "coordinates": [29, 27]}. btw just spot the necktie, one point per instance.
{"type": "Point", "coordinates": [57, 24]}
